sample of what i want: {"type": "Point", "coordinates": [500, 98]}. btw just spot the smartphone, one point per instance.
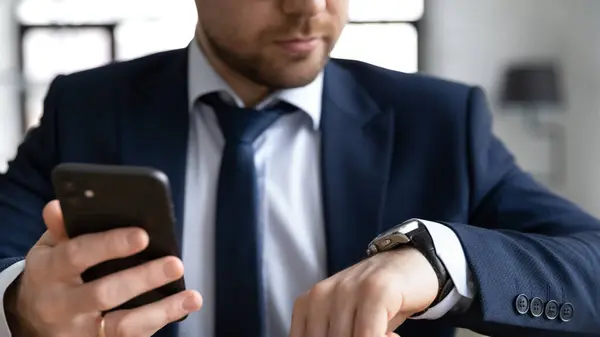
{"type": "Point", "coordinates": [97, 198]}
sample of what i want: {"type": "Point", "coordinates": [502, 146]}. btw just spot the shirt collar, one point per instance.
{"type": "Point", "coordinates": [203, 79]}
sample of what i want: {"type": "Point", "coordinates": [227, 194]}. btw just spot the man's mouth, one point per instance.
{"type": "Point", "coordinates": [299, 44]}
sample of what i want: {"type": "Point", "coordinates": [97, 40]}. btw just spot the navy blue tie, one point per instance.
{"type": "Point", "coordinates": [239, 294]}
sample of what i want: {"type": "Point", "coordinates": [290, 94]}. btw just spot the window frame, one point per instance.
{"type": "Point", "coordinates": [24, 29]}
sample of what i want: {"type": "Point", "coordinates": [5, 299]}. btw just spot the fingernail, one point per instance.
{"type": "Point", "coordinates": [134, 238]}
{"type": "Point", "coordinates": [172, 269]}
{"type": "Point", "coordinates": [190, 304]}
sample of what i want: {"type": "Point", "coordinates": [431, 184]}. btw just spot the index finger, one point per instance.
{"type": "Point", "coordinates": [73, 257]}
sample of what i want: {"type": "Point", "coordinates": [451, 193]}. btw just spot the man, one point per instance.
{"type": "Point", "coordinates": [360, 152]}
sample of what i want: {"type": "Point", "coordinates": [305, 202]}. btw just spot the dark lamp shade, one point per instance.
{"type": "Point", "coordinates": [532, 85]}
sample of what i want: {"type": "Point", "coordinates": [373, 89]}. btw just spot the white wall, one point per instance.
{"type": "Point", "coordinates": [473, 40]}
{"type": "Point", "coordinates": [10, 126]}
{"type": "Point", "coordinates": [584, 120]}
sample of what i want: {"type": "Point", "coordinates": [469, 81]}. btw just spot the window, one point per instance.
{"type": "Point", "coordinates": [382, 32]}
{"type": "Point", "coordinates": [139, 38]}
{"type": "Point", "coordinates": [377, 46]}
{"type": "Point", "coordinates": [61, 36]}
{"type": "Point", "coordinates": [51, 50]}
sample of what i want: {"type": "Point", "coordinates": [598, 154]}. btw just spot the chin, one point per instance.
{"type": "Point", "coordinates": [296, 80]}
{"type": "Point", "coordinates": [295, 75]}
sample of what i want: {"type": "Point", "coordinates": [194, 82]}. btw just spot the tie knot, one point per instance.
{"type": "Point", "coordinates": [244, 124]}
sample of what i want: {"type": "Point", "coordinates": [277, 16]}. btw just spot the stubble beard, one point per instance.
{"type": "Point", "coordinates": [262, 72]}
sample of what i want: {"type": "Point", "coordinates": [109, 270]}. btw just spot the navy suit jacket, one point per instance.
{"type": "Point", "coordinates": [394, 146]}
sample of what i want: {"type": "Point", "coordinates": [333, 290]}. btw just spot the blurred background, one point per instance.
{"type": "Point", "coordinates": [538, 60]}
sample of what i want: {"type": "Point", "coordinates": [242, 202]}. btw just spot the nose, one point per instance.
{"type": "Point", "coordinates": [304, 7]}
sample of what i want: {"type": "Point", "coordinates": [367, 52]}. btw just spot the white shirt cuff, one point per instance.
{"type": "Point", "coordinates": [7, 277]}
{"type": "Point", "coordinates": [450, 251]}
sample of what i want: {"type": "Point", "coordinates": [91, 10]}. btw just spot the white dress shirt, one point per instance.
{"type": "Point", "coordinates": [287, 163]}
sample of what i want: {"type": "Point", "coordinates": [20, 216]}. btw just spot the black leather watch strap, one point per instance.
{"type": "Point", "coordinates": [423, 242]}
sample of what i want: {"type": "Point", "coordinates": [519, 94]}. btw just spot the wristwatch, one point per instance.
{"type": "Point", "coordinates": [414, 233]}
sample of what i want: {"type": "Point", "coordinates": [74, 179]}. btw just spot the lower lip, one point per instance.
{"type": "Point", "coordinates": [299, 46]}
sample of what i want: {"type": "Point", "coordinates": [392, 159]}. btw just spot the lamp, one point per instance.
{"type": "Point", "coordinates": [535, 88]}
{"type": "Point", "coordinates": [532, 86]}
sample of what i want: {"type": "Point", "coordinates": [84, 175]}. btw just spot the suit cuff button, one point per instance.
{"type": "Point", "coordinates": [536, 307]}
{"type": "Point", "coordinates": [566, 312]}
{"type": "Point", "coordinates": [551, 310]}
{"type": "Point", "coordinates": [522, 304]}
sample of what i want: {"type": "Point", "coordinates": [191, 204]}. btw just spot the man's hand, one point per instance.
{"type": "Point", "coordinates": [52, 300]}
{"type": "Point", "coordinates": [370, 299]}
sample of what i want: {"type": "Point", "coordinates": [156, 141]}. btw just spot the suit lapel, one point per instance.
{"type": "Point", "coordinates": [357, 138]}
{"type": "Point", "coordinates": [154, 129]}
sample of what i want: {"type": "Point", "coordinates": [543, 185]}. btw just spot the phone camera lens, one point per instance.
{"type": "Point", "coordinates": [89, 194]}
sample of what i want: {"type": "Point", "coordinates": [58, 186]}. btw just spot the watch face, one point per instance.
{"type": "Point", "coordinates": [404, 228]}
{"type": "Point", "coordinates": [393, 237]}
{"type": "Point", "coordinates": [409, 226]}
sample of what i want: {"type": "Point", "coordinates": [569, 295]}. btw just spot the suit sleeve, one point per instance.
{"type": "Point", "coordinates": [24, 191]}
{"type": "Point", "coordinates": [25, 188]}
{"type": "Point", "coordinates": [524, 240]}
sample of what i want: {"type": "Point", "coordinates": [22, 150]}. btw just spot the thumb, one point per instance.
{"type": "Point", "coordinates": [53, 218]}
{"type": "Point", "coordinates": [391, 334]}
{"type": "Point", "coordinates": [395, 322]}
